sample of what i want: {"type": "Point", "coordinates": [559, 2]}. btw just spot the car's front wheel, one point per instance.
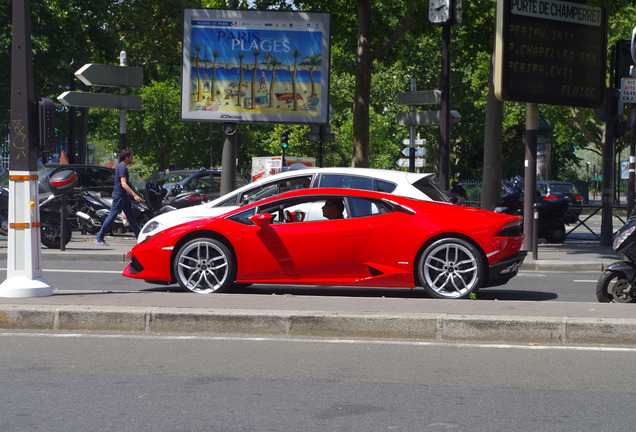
{"type": "Point", "coordinates": [451, 268]}
{"type": "Point", "coordinates": [204, 265]}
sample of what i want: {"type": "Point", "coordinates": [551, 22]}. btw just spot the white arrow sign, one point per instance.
{"type": "Point", "coordinates": [110, 76]}
{"type": "Point", "coordinates": [419, 151]}
{"type": "Point", "coordinates": [424, 118]}
{"type": "Point", "coordinates": [417, 142]}
{"type": "Point", "coordinates": [404, 163]}
{"type": "Point", "coordinates": [100, 100]}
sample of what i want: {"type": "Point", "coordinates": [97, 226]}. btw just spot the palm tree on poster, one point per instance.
{"type": "Point", "coordinates": [274, 62]}
{"type": "Point", "coordinates": [215, 55]}
{"type": "Point", "coordinates": [197, 48]}
{"type": "Point", "coordinates": [240, 56]}
{"type": "Point", "coordinates": [295, 53]}
{"type": "Point", "coordinates": [313, 61]}
{"type": "Point", "coordinates": [255, 52]}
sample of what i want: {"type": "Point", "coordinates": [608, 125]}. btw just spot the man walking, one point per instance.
{"type": "Point", "coordinates": [121, 201]}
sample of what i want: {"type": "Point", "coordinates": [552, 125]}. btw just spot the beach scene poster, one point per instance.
{"type": "Point", "coordinates": [255, 66]}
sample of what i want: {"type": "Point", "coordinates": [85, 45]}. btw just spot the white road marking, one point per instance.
{"type": "Point", "coordinates": [326, 341]}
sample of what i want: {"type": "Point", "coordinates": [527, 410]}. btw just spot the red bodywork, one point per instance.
{"type": "Point", "coordinates": [373, 251]}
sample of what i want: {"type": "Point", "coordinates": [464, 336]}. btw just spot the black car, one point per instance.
{"type": "Point", "coordinates": [208, 182]}
{"type": "Point", "coordinates": [551, 190]}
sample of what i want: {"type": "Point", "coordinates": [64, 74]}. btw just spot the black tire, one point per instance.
{"type": "Point", "coordinates": [555, 233]}
{"type": "Point", "coordinates": [90, 226]}
{"type": "Point", "coordinates": [142, 220]}
{"type": "Point", "coordinates": [613, 287]}
{"type": "Point", "coordinates": [451, 268]}
{"type": "Point", "coordinates": [50, 231]}
{"type": "Point", "coordinates": [4, 226]}
{"type": "Point", "coordinates": [204, 266]}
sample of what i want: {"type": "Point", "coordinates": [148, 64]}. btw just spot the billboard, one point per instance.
{"type": "Point", "coordinates": [249, 66]}
{"type": "Point", "coordinates": [550, 51]}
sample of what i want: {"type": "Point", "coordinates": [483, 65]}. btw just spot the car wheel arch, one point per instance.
{"type": "Point", "coordinates": [442, 236]}
{"type": "Point", "coordinates": [198, 235]}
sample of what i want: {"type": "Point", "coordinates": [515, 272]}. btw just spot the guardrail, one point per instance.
{"type": "Point", "coordinates": [618, 212]}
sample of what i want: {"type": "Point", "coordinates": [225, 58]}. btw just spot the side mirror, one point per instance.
{"type": "Point", "coordinates": [262, 219]}
{"type": "Point", "coordinates": [298, 216]}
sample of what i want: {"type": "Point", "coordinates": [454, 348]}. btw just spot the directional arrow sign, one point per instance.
{"type": "Point", "coordinates": [100, 100]}
{"type": "Point", "coordinates": [110, 76]}
{"type": "Point", "coordinates": [417, 142]}
{"type": "Point", "coordinates": [420, 97]}
{"type": "Point", "coordinates": [424, 118]}
{"type": "Point", "coordinates": [419, 151]}
{"type": "Point", "coordinates": [404, 163]}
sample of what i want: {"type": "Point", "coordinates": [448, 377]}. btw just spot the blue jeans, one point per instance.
{"type": "Point", "coordinates": [120, 202]}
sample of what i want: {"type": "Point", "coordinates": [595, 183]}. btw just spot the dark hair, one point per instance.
{"type": "Point", "coordinates": [124, 154]}
{"type": "Point", "coordinates": [338, 203]}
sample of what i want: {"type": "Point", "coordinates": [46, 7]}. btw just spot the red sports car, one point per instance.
{"type": "Point", "coordinates": [337, 237]}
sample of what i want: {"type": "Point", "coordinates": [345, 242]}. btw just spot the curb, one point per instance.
{"type": "Point", "coordinates": [408, 326]}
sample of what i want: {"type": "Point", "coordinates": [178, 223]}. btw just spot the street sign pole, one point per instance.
{"type": "Point", "coordinates": [122, 112]}
{"type": "Point", "coordinates": [412, 134]}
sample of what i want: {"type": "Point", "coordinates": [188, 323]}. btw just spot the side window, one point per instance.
{"type": "Point", "coordinates": [385, 186]}
{"type": "Point", "coordinates": [347, 181]}
{"type": "Point", "coordinates": [243, 217]}
{"type": "Point", "coordinates": [275, 188]}
{"type": "Point", "coordinates": [204, 184]}
{"type": "Point", "coordinates": [362, 207]}
{"type": "Point", "coordinates": [308, 210]}
{"type": "Point", "coordinates": [231, 201]}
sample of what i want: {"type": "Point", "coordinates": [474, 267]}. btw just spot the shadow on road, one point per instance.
{"type": "Point", "coordinates": [299, 290]}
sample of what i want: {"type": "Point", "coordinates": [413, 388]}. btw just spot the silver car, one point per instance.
{"type": "Point", "coordinates": [412, 185]}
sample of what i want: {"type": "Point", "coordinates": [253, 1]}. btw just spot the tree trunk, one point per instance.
{"type": "Point", "coordinates": [364, 62]}
{"type": "Point", "coordinates": [491, 180]}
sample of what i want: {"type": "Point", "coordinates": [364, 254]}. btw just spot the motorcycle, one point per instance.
{"type": "Point", "coordinates": [55, 210]}
{"type": "Point", "coordinates": [552, 213]}
{"type": "Point", "coordinates": [618, 281]}
{"type": "Point", "coordinates": [97, 208]}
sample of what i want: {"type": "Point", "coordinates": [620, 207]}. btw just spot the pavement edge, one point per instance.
{"type": "Point", "coordinates": [407, 326]}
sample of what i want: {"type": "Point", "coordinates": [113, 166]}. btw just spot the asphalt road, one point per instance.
{"type": "Point", "coordinates": [78, 382]}
{"type": "Point", "coordinates": [532, 286]}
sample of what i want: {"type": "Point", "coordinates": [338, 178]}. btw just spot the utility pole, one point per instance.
{"type": "Point", "coordinates": [24, 258]}
{"type": "Point", "coordinates": [228, 156]}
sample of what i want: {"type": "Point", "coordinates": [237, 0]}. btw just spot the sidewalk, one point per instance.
{"type": "Point", "coordinates": [159, 311]}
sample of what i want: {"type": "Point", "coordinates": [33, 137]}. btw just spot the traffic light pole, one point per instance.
{"type": "Point", "coordinates": [24, 270]}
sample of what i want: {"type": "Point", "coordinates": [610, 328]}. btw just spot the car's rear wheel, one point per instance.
{"type": "Point", "coordinates": [204, 266]}
{"type": "Point", "coordinates": [451, 268]}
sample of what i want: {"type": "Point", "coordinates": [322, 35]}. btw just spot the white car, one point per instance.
{"type": "Point", "coordinates": [412, 185]}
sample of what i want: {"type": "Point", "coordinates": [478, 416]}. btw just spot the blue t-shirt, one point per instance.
{"type": "Point", "coordinates": [120, 171]}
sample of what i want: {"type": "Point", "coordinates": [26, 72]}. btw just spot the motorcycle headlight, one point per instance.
{"type": "Point", "coordinates": [150, 227]}
{"type": "Point", "coordinates": [621, 237]}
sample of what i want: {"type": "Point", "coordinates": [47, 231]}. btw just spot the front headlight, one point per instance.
{"type": "Point", "coordinates": [620, 238]}
{"type": "Point", "coordinates": [150, 227]}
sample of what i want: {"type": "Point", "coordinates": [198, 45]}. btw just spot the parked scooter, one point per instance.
{"type": "Point", "coordinates": [97, 207]}
{"type": "Point", "coordinates": [552, 213]}
{"type": "Point", "coordinates": [618, 281]}
{"type": "Point", "coordinates": [55, 210]}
